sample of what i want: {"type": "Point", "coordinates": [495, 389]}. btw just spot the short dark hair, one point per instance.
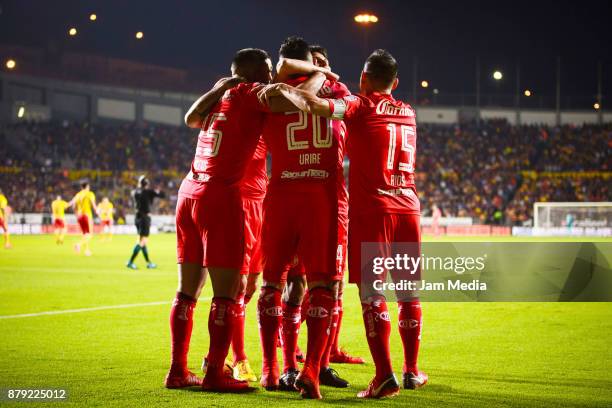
{"type": "Point", "coordinates": [381, 67]}
{"type": "Point", "coordinates": [320, 49]}
{"type": "Point", "coordinates": [84, 183]}
{"type": "Point", "coordinates": [294, 47]}
{"type": "Point", "coordinates": [249, 57]}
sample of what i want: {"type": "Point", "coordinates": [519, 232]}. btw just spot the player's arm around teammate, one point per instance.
{"type": "Point", "coordinates": [201, 107]}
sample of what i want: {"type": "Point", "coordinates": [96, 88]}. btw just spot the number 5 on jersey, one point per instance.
{"type": "Point", "coordinates": [215, 135]}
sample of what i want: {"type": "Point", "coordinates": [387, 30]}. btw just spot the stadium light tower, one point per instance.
{"type": "Point", "coordinates": [93, 17]}
{"type": "Point", "coordinates": [365, 20]}
{"type": "Point", "coordinates": [424, 84]}
{"type": "Point", "coordinates": [596, 106]}
{"type": "Point", "coordinates": [139, 35]}
{"type": "Point", "coordinates": [11, 64]}
{"type": "Point", "coordinates": [72, 31]}
{"type": "Point", "coordinates": [527, 92]}
{"type": "Point", "coordinates": [497, 75]}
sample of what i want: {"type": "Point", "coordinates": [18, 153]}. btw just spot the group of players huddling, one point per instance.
{"type": "Point", "coordinates": [233, 223]}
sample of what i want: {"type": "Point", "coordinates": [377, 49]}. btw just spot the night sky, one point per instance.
{"type": "Point", "coordinates": [445, 36]}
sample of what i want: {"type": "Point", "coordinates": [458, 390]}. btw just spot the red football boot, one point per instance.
{"type": "Point", "coordinates": [182, 380]}
{"type": "Point", "coordinates": [387, 387]}
{"type": "Point", "coordinates": [224, 383]}
{"type": "Point", "coordinates": [342, 357]}
{"type": "Point", "coordinates": [308, 384]}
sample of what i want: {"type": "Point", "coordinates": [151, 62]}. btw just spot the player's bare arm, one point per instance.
{"type": "Point", "coordinates": [287, 67]}
{"type": "Point", "coordinates": [304, 100]}
{"type": "Point", "coordinates": [200, 108]}
{"type": "Point", "coordinates": [279, 103]}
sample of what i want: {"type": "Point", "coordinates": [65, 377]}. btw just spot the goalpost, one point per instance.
{"type": "Point", "coordinates": [575, 218]}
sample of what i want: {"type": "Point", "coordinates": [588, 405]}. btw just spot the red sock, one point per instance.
{"type": "Point", "coordinates": [378, 331]}
{"type": "Point", "coordinates": [220, 329]}
{"type": "Point", "coordinates": [238, 335]}
{"type": "Point", "coordinates": [305, 304]}
{"type": "Point", "coordinates": [318, 319]}
{"type": "Point", "coordinates": [335, 349]}
{"type": "Point", "coordinates": [269, 314]}
{"type": "Point", "coordinates": [290, 330]}
{"type": "Point", "coordinates": [333, 329]}
{"type": "Point", "coordinates": [410, 323]}
{"type": "Point", "coordinates": [181, 324]}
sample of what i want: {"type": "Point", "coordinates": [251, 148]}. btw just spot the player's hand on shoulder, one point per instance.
{"type": "Point", "coordinates": [268, 91]}
{"type": "Point", "coordinates": [229, 82]}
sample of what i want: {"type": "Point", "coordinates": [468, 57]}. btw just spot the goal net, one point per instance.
{"type": "Point", "coordinates": [573, 218]}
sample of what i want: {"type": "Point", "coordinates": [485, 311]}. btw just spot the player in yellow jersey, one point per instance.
{"type": "Point", "coordinates": [5, 211]}
{"type": "Point", "coordinates": [58, 206]}
{"type": "Point", "coordinates": [84, 202]}
{"type": "Point", "coordinates": [106, 209]}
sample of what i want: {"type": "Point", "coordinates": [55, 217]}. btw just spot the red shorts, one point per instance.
{"type": "Point", "coordinates": [253, 214]}
{"type": "Point", "coordinates": [106, 223]}
{"type": "Point", "coordinates": [59, 223]}
{"type": "Point", "coordinates": [83, 221]}
{"type": "Point", "coordinates": [210, 229]}
{"type": "Point", "coordinates": [383, 229]}
{"type": "Point", "coordinates": [3, 224]}
{"type": "Point", "coordinates": [302, 224]}
{"type": "Point", "coordinates": [297, 267]}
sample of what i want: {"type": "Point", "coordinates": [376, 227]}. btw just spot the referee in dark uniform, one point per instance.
{"type": "Point", "coordinates": [143, 197]}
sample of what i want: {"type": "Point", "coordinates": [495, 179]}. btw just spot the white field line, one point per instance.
{"type": "Point", "coordinates": [86, 309]}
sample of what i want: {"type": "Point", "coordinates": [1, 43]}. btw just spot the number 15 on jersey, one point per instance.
{"type": "Point", "coordinates": [400, 156]}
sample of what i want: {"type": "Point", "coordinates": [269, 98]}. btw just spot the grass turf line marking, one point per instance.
{"type": "Point", "coordinates": [87, 309]}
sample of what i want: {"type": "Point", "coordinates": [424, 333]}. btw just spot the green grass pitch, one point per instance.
{"type": "Point", "coordinates": [476, 354]}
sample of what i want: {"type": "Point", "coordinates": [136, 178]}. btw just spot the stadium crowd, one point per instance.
{"type": "Point", "coordinates": [485, 171]}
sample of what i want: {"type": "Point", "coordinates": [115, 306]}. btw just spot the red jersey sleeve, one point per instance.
{"type": "Point", "coordinates": [345, 108]}
{"type": "Point", "coordinates": [340, 90]}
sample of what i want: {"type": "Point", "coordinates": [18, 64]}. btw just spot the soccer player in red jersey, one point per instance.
{"type": "Point", "coordinates": [294, 299]}
{"type": "Point", "coordinates": [384, 207]}
{"type": "Point", "coordinates": [300, 219]}
{"type": "Point", "coordinates": [254, 185]}
{"type": "Point", "coordinates": [210, 217]}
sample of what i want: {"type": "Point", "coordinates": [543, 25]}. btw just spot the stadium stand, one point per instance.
{"type": "Point", "coordinates": [492, 172]}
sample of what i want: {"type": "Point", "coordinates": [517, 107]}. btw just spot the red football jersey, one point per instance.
{"type": "Point", "coordinates": [255, 179]}
{"type": "Point", "coordinates": [306, 148]}
{"type": "Point", "coordinates": [382, 149]}
{"type": "Point", "coordinates": [227, 141]}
